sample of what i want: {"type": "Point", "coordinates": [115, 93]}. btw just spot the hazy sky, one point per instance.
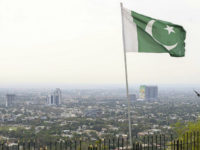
{"type": "Point", "coordinates": [80, 42]}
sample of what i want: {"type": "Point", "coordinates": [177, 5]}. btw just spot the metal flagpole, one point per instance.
{"type": "Point", "coordinates": [126, 75]}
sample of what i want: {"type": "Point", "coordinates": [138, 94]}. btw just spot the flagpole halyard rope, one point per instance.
{"type": "Point", "coordinates": [126, 75]}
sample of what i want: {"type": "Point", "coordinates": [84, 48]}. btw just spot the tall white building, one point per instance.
{"type": "Point", "coordinates": [50, 100]}
{"type": "Point", "coordinates": [55, 98]}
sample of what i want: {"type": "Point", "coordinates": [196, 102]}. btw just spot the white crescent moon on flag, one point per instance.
{"type": "Point", "coordinates": [148, 29]}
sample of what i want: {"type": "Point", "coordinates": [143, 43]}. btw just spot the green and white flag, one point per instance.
{"type": "Point", "coordinates": [148, 35]}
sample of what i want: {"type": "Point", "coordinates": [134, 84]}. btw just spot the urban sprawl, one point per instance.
{"type": "Point", "coordinates": [93, 113]}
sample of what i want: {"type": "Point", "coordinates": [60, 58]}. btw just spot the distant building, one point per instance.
{"type": "Point", "coordinates": [50, 100]}
{"type": "Point", "coordinates": [10, 99]}
{"type": "Point", "coordinates": [132, 97]}
{"type": "Point", "coordinates": [148, 92]}
{"type": "Point", "coordinates": [55, 98]}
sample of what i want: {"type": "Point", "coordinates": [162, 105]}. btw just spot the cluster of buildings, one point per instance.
{"type": "Point", "coordinates": [147, 93]}
{"type": "Point", "coordinates": [54, 98]}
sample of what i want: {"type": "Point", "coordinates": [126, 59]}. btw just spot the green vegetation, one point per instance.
{"type": "Point", "coordinates": [182, 129]}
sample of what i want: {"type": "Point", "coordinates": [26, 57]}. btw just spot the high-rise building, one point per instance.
{"type": "Point", "coordinates": [54, 98]}
{"type": "Point", "coordinates": [9, 99]}
{"type": "Point", "coordinates": [148, 92]}
{"type": "Point", "coordinates": [57, 96]}
{"type": "Point", "coordinates": [50, 100]}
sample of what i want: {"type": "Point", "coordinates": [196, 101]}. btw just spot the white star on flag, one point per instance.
{"type": "Point", "coordinates": [169, 29]}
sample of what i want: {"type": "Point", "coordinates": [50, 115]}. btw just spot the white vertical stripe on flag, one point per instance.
{"type": "Point", "coordinates": [130, 32]}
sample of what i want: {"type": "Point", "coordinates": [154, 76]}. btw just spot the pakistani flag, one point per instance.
{"type": "Point", "coordinates": [148, 35]}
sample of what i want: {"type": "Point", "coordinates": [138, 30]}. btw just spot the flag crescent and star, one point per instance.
{"type": "Point", "coordinates": [148, 29]}
{"type": "Point", "coordinates": [148, 35]}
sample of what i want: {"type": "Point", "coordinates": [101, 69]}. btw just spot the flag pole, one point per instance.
{"type": "Point", "coordinates": [126, 75]}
